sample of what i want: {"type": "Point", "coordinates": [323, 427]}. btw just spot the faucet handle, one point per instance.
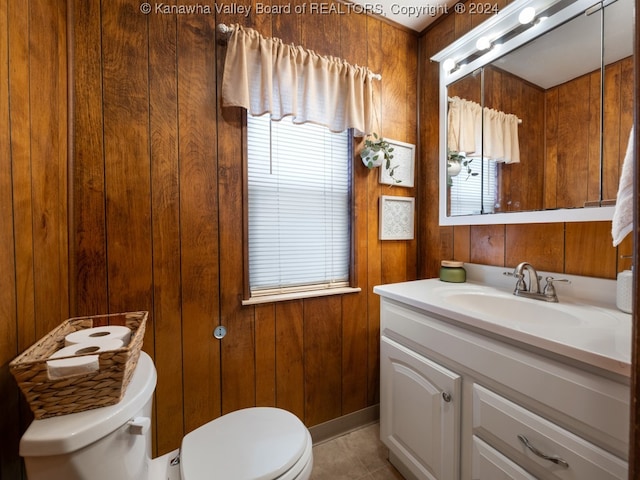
{"type": "Point", "coordinates": [550, 280]}
{"type": "Point", "coordinates": [519, 275]}
{"type": "Point", "coordinates": [520, 284]}
{"type": "Point", "coordinates": [549, 289]}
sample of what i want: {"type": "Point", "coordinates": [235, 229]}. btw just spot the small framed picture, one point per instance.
{"type": "Point", "coordinates": [402, 166]}
{"type": "Point", "coordinates": [396, 218]}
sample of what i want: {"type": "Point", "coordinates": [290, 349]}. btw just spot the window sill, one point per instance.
{"type": "Point", "coordinates": [283, 297]}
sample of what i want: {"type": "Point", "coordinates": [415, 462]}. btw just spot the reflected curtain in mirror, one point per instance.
{"type": "Point", "coordinates": [482, 132]}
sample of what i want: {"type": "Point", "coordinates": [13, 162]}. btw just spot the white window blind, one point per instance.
{"type": "Point", "coordinates": [473, 195]}
{"type": "Point", "coordinates": [299, 206]}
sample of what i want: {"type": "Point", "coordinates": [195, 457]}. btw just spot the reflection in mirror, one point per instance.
{"type": "Point", "coordinates": [617, 92]}
{"type": "Point", "coordinates": [560, 132]}
{"type": "Point", "coordinates": [556, 85]}
{"type": "Point", "coordinates": [464, 172]}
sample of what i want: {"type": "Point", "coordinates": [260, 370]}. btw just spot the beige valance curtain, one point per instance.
{"type": "Point", "coordinates": [495, 136]}
{"type": "Point", "coordinates": [264, 75]}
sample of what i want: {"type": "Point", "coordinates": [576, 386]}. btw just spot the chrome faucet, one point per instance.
{"type": "Point", "coordinates": [534, 280]}
{"type": "Point", "coordinates": [548, 294]}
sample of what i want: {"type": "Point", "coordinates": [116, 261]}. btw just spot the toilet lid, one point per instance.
{"type": "Point", "coordinates": [258, 443]}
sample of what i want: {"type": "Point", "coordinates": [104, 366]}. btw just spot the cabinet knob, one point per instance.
{"type": "Point", "coordinates": [446, 397]}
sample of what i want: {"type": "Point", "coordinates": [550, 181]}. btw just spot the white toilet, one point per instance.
{"type": "Point", "coordinates": [114, 442]}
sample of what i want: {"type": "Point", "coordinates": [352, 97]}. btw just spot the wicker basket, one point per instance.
{"type": "Point", "coordinates": [49, 397]}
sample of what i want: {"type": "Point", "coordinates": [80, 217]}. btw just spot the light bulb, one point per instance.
{"type": "Point", "coordinates": [483, 43]}
{"type": "Point", "coordinates": [449, 64]}
{"type": "Point", "coordinates": [527, 15]}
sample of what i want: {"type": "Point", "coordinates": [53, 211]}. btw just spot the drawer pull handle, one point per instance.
{"type": "Point", "coordinates": [556, 460]}
{"type": "Point", "coordinates": [446, 397]}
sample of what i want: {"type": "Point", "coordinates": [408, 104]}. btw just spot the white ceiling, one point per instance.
{"type": "Point", "coordinates": [413, 14]}
{"type": "Point", "coordinates": [573, 49]}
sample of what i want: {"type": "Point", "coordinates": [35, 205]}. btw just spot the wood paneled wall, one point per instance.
{"type": "Point", "coordinates": [582, 248]}
{"type": "Point", "coordinates": [519, 185]}
{"type": "Point", "coordinates": [157, 188]}
{"type": "Point", "coordinates": [151, 215]}
{"type": "Point", "coordinates": [34, 294]}
{"type": "Point", "coordinates": [572, 139]}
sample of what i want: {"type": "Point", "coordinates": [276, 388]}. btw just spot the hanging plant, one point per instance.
{"type": "Point", "coordinates": [377, 152]}
{"type": "Point", "coordinates": [456, 162]}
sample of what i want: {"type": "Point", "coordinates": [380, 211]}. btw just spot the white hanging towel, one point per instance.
{"type": "Point", "coordinates": [622, 223]}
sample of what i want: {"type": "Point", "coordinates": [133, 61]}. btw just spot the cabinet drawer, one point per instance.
{"type": "Point", "coordinates": [500, 422]}
{"type": "Point", "coordinates": [489, 464]}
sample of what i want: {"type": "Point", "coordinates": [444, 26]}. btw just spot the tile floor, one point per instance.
{"type": "Point", "coordinates": [358, 455]}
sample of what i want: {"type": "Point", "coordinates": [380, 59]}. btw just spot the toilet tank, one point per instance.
{"type": "Point", "coordinates": [105, 443]}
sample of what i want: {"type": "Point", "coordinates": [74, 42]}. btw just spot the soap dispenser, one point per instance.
{"type": "Point", "coordinates": [624, 290]}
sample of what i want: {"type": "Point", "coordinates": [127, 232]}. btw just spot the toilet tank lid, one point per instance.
{"type": "Point", "coordinates": [256, 443]}
{"type": "Point", "coordinates": [68, 433]}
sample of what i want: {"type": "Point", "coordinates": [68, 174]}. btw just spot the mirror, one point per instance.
{"type": "Point", "coordinates": [568, 81]}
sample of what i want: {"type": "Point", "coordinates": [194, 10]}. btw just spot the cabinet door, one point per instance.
{"type": "Point", "coordinates": [419, 412]}
{"type": "Point", "coordinates": [489, 464]}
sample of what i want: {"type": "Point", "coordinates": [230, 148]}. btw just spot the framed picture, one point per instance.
{"type": "Point", "coordinates": [402, 164]}
{"type": "Point", "coordinates": [396, 218]}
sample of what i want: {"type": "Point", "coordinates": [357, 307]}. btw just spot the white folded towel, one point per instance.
{"type": "Point", "coordinates": [622, 223]}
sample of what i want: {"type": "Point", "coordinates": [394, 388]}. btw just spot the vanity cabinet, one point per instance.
{"type": "Point", "coordinates": [460, 403]}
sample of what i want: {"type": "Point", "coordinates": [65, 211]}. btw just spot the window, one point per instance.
{"type": "Point", "coordinates": [299, 191]}
{"type": "Point", "coordinates": [472, 195]}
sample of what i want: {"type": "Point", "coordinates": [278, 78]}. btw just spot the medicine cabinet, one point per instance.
{"type": "Point", "coordinates": [565, 70]}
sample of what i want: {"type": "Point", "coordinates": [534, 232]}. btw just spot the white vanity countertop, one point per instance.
{"type": "Point", "coordinates": [590, 331]}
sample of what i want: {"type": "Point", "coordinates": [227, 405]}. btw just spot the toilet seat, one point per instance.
{"type": "Point", "coordinates": [257, 443]}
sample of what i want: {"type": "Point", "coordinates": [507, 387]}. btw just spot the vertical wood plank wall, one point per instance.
{"type": "Point", "coordinates": [559, 138]}
{"type": "Point", "coordinates": [519, 185]}
{"type": "Point", "coordinates": [151, 215]}
{"type": "Point", "coordinates": [34, 294]}
{"type": "Point", "coordinates": [582, 248]}
{"type": "Point", "coordinates": [157, 188]}
{"type": "Point", "coordinates": [572, 136]}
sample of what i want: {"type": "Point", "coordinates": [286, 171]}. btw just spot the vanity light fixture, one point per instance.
{"type": "Point", "coordinates": [527, 15]}
{"type": "Point", "coordinates": [483, 43]}
{"type": "Point", "coordinates": [519, 22]}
